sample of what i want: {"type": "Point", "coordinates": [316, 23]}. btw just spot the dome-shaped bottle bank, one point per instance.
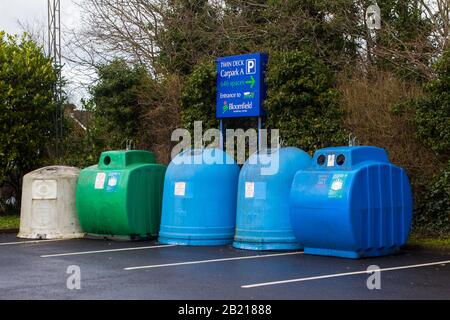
{"type": "Point", "coordinates": [199, 204]}
{"type": "Point", "coordinates": [48, 204]}
{"type": "Point", "coordinates": [262, 221]}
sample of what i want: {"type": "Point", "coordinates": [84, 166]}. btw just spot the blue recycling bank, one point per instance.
{"type": "Point", "coordinates": [351, 202]}
{"type": "Point", "coordinates": [262, 221]}
{"type": "Point", "coordinates": [199, 201]}
{"type": "Point", "coordinates": [240, 85]}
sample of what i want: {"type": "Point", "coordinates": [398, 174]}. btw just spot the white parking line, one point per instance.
{"type": "Point", "coordinates": [31, 241]}
{"type": "Point", "coordinates": [213, 260]}
{"type": "Point", "coordinates": [327, 276]}
{"type": "Point", "coordinates": [103, 251]}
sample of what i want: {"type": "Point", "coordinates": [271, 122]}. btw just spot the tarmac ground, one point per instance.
{"type": "Point", "coordinates": [102, 269]}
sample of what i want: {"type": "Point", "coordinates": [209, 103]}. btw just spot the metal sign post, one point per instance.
{"type": "Point", "coordinates": [259, 133]}
{"type": "Point", "coordinates": [222, 135]}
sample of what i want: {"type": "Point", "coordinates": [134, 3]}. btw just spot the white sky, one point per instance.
{"type": "Point", "coordinates": [11, 11]}
{"type": "Point", "coordinates": [24, 10]}
{"type": "Point", "coordinates": [34, 14]}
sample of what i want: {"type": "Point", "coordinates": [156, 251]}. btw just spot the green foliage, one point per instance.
{"type": "Point", "coordinates": [434, 210]}
{"type": "Point", "coordinates": [292, 24]}
{"type": "Point", "coordinates": [432, 242]}
{"type": "Point", "coordinates": [115, 104]}
{"type": "Point", "coordinates": [27, 79]}
{"type": "Point", "coordinates": [433, 112]}
{"type": "Point", "coordinates": [197, 30]}
{"type": "Point", "coordinates": [115, 115]}
{"type": "Point", "coordinates": [80, 148]}
{"type": "Point", "coordinates": [9, 222]}
{"type": "Point", "coordinates": [198, 98]}
{"type": "Point", "coordinates": [404, 41]}
{"type": "Point", "coordinates": [432, 119]}
{"type": "Point", "coordinates": [302, 102]}
{"type": "Point", "coordinates": [404, 18]}
{"type": "Point", "coordinates": [189, 34]}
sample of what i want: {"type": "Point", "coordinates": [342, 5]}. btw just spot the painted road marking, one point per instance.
{"type": "Point", "coordinates": [327, 276]}
{"type": "Point", "coordinates": [107, 250]}
{"type": "Point", "coordinates": [213, 260]}
{"type": "Point", "coordinates": [31, 241]}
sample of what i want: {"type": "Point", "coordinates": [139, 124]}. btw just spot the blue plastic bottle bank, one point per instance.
{"type": "Point", "coordinates": [199, 200]}
{"type": "Point", "coordinates": [265, 181]}
{"type": "Point", "coordinates": [351, 202]}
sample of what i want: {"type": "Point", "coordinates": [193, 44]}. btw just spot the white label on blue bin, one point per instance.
{"type": "Point", "coordinates": [330, 161]}
{"type": "Point", "coordinates": [337, 185]}
{"type": "Point", "coordinates": [249, 189]}
{"type": "Point", "coordinates": [180, 189]}
{"type": "Point", "coordinates": [100, 180]}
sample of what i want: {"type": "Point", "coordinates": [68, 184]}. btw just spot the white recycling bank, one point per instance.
{"type": "Point", "coordinates": [48, 204]}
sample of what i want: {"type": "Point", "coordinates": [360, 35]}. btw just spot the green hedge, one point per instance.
{"type": "Point", "coordinates": [433, 112]}
{"type": "Point", "coordinates": [433, 215]}
{"type": "Point", "coordinates": [27, 79]}
{"type": "Point", "coordinates": [302, 101]}
{"type": "Point", "coordinates": [433, 128]}
{"type": "Point", "coordinates": [198, 97]}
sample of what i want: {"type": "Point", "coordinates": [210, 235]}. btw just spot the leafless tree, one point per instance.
{"type": "Point", "coordinates": [438, 11]}
{"type": "Point", "coordinates": [415, 55]}
{"type": "Point", "coordinates": [36, 29]}
{"type": "Point", "coordinates": [116, 28]}
{"type": "Point", "coordinates": [131, 29]}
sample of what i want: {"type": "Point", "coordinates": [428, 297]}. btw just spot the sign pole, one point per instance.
{"type": "Point", "coordinates": [259, 133]}
{"type": "Point", "coordinates": [221, 134]}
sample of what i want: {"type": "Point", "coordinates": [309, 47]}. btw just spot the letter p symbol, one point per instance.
{"type": "Point", "coordinates": [250, 66]}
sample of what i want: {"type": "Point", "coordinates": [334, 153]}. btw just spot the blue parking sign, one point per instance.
{"type": "Point", "coordinates": [240, 85]}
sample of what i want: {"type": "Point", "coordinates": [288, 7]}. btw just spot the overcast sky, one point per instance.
{"type": "Point", "coordinates": [12, 11]}
{"type": "Point", "coordinates": [34, 14]}
{"type": "Point", "coordinates": [25, 10]}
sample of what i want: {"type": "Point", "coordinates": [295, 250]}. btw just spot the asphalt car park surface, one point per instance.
{"type": "Point", "coordinates": [148, 270]}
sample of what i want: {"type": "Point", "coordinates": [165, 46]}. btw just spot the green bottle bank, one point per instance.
{"type": "Point", "coordinates": [121, 197]}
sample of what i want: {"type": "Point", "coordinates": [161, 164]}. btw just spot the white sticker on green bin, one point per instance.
{"type": "Point", "coordinates": [100, 180]}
